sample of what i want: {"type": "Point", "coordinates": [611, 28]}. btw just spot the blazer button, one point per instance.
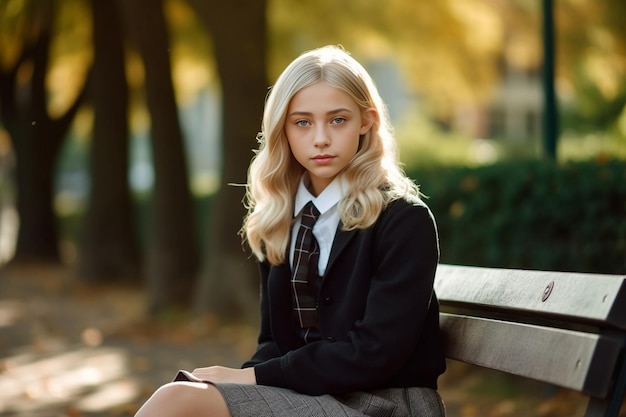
{"type": "Point", "coordinates": [328, 301]}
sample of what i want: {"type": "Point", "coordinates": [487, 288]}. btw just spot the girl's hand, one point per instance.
{"type": "Point", "coordinates": [223, 374]}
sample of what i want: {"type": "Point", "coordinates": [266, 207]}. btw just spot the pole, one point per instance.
{"type": "Point", "coordinates": [550, 114]}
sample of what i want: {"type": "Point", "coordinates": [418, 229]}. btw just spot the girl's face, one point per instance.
{"type": "Point", "coordinates": [323, 127]}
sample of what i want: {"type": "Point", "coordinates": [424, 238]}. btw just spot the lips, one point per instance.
{"type": "Point", "coordinates": [322, 159]}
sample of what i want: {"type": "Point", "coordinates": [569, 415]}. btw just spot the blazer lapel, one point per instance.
{"type": "Point", "coordinates": [342, 238]}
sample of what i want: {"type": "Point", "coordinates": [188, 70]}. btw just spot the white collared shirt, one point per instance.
{"type": "Point", "coordinates": [326, 226]}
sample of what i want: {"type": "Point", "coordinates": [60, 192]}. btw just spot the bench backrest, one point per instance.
{"type": "Point", "coordinates": [567, 329]}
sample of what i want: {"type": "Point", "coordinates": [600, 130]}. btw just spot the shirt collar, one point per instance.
{"type": "Point", "coordinates": [331, 195]}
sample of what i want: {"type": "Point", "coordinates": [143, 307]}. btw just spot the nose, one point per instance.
{"type": "Point", "coordinates": [322, 138]}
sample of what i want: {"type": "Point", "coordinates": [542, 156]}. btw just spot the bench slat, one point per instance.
{"type": "Point", "coordinates": [587, 298]}
{"type": "Point", "coordinates": [571, 359]}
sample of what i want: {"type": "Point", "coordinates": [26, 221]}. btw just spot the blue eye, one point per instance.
{"type": "Point", "coordinates": [302, 123]}
{"type": "Point", "coordinates": [338, 120]}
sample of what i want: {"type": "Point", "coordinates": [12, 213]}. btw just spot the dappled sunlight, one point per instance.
{"type": "Point", "coordinates": [73, 350]}
{"type": "Point", "coordinates": [9, 223]}
{"type": "Point", "coordinates": [600, 145]}
{"type": "Point", "coordinates": [88, 379]}
{"type": "Point", "coordinates": [56, 353]}
{"type": "Point", "coordinates": [483, 152]}
{"type": "Point", "coordinates": [109, 395]}
{"type": "Point", "coordinates": [9, 312]}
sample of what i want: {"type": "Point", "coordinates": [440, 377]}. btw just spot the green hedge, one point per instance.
{"type": "Point", "coordinates": [531, 215]}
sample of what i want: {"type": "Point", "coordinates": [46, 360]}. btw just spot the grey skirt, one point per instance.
{"type": "Point", "coordinates": [265, 401]}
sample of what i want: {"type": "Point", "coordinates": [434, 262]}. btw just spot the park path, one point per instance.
{"type": "Point", "coordinates": [68, 349]}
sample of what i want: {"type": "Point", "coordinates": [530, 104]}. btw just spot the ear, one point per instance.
{"type": "Point", "coordinates": [368, 118]}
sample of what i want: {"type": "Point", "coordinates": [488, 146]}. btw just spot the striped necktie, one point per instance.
{"type": "Point", "coordinates": [304, 279]}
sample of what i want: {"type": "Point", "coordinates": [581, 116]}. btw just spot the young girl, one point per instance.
{"type": "Point", "coordinates": [356, 332]}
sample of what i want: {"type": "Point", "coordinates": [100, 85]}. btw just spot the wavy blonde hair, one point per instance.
{"type": "Point", "coordinates": [374, 175]}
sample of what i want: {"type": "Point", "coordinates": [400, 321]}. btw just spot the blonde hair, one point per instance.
{"type": "Point", "coordinates": [374, 175]}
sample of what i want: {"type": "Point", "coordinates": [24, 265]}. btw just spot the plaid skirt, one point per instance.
{"type": "Point", "coordinates": [265, 401]}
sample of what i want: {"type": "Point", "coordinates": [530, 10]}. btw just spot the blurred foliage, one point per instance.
{"type": "Point", "coordinates": [449, 54]}
{"type": "Point", "coordinates": [454, 54]}
{"type": "Point", "coordinates": [531, 214]}
{"type": "Point", "coordinates": [422, 143]}
{"type": "Point", "coordinates": [437, 45]}
{"type": "Point", "coordinates": [592, 62]}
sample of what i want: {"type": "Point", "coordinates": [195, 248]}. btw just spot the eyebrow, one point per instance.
{"type": "Point", "coordinates": [329, 113]}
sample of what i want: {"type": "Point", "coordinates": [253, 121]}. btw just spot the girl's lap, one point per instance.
{"type": "Point", "coordinates": [264, 401]}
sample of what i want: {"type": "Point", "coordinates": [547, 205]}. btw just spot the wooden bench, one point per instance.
{"type": "Point", "coordinates": [566, 329]}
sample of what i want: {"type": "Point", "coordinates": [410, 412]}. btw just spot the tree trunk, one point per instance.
{"type": "Point", "coordinates": [172, 257]}
{"type": "Point", "coordinates": [229, 284]}
{"type": "Point", "coordinates": [109, 248]}
{"type": "Point", "coordinates": [36, 139]}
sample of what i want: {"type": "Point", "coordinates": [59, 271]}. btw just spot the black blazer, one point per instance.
{"type": "Point", "coordinates": [378, 314]}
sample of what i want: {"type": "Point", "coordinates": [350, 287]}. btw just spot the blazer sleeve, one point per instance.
{"type": "Point", "coordinates": [266, 348]}
{"type": "Point", "coordinates": [399, 256]}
